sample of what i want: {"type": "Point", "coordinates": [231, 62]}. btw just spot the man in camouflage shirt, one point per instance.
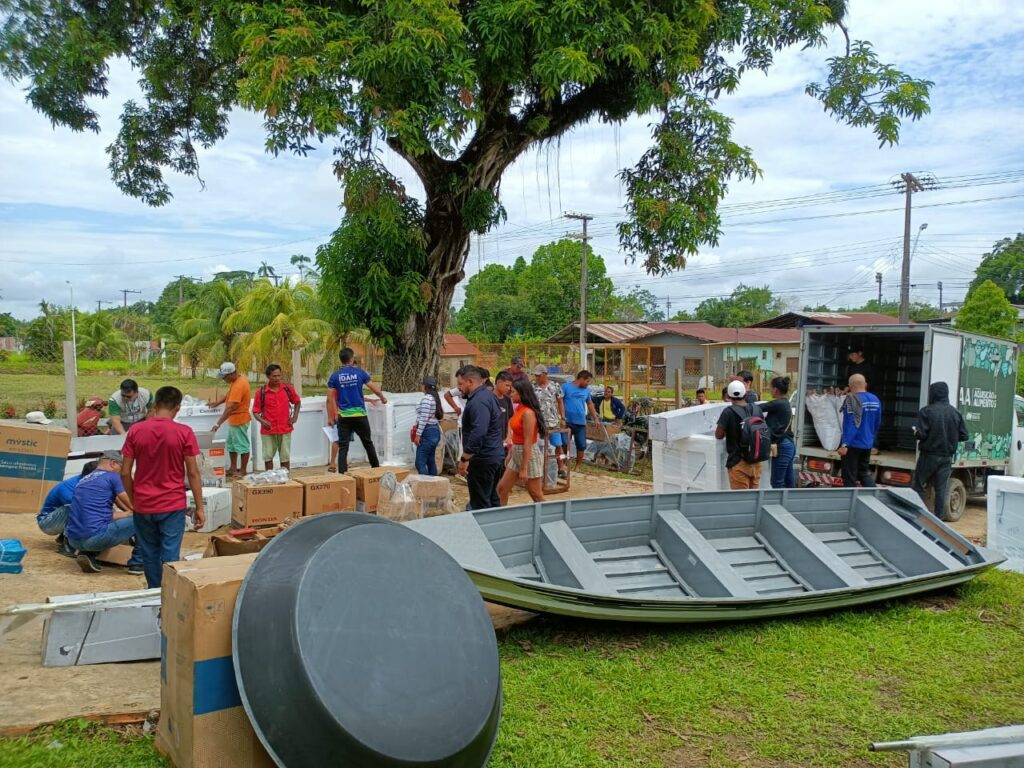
{"type": "Point", "coordinates": [549, 395]}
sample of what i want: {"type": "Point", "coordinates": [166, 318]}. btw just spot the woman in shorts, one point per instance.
{"type": "Point", "coordinates": [527, 460]}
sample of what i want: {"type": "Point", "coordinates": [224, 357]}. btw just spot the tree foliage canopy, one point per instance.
{"type": "Point", "coordinates": [459, 90]}
{"type": "Point", "coordinates": [988, 311]}
{"type": "Point", "coordinates": [1004, 266]}
{"type": "Point", "coordinates": [745, 306]}
{"type": "Point", "coordinates": [531, 301]}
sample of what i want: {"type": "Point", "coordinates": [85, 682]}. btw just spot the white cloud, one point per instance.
{"type": "Point", "coordinates": [64, 219]}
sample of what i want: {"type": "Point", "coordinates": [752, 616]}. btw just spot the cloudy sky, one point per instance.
{"type": "Point", "coordinates": [63, 220]}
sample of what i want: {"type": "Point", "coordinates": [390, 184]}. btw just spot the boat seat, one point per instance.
{"type": "Point", "coordinates": [567, 562]}
{"type": "Point", "coordinates": [461, 537]}
{"type": "Point", "coordinates": [804, 552]}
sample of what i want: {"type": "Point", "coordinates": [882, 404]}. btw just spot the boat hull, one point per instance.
{"type": "Point", "coordinates": [708, 557]}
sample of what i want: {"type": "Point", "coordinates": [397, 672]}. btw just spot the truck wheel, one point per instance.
{"type": "Point", "coordinates": [957, 500]}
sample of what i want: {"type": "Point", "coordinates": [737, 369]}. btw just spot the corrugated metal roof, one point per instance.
{"type": "Point", "coordinates": [606, 333]}
{"type": "Point", "coordinates": [457, 345]}
{"type": "Point", "coordinates": [798, 319]}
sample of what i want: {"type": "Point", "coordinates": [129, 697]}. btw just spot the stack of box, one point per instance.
{"type": "Point", "coordinates": [202, 722]}
{"type": "Point", "coordinates": [368, 485]}
{"type": "Point", "coordinates": [254, 505]}
{"type": "Point", "coordinates": [11, 554]}
{"type": "Point", "coordinates": [328, 493]}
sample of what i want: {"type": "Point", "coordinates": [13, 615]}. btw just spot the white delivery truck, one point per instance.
{"type": "Point", "coordinates": [905, 359]}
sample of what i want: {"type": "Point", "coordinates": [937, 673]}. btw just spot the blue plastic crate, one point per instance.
{"type": "Point", "coordinates": [11, 567]}
{"type": "Point", "coordinates": [11, 553]}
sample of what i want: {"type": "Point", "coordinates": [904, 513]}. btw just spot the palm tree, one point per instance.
{"type": "Point", "coordinates": [98, 339]}
{"type": "Point", "coordinates": [300, 261]}
{"type": "Point", "coordinates": [273, 320]}
{"type": "Point", "coordinates": [202, 322]}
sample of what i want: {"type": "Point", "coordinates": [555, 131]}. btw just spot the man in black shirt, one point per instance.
{"type": "Point", "coordinates": [859, 365]}
{"type": "Point", "coordinates": [742, 474]}
{"type": "Point", "coordinates": [483, 437]}
{"type": "Point", "coordinates": [748, 381]}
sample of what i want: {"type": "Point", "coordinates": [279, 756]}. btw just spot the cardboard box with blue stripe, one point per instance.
{"type": "Point", "coordinates": [32, 459]}
{"type": "Point", "coordinates": [202, 722]}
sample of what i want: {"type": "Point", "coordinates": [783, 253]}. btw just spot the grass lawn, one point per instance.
{"type": "Point", "coordinates": [801, 692]}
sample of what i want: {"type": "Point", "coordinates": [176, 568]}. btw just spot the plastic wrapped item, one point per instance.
{"type": "Point", "coordinates": [270, 477]}
{"type": "Point", "coordinates": [400, 503]}
{"type": "Point", "coordinates": [827, 419]}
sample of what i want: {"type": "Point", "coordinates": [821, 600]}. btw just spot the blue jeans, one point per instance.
{"type": "Point", "coordinates": [52, 523]}
{"type": "Point", "coordinates": [118, 532]}
{"type": "Point", "coordinates": [783, 471]}
{"type": "Point", "coordinates": [426, 451]}
{"type": "Point", "coordinates": [159, 538]}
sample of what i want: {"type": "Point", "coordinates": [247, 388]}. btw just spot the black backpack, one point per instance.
{"type": "Point", "coordinates": [755, 437]}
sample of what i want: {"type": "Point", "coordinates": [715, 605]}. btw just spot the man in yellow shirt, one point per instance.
{"type": "Point", "coordinates": [236, 414]}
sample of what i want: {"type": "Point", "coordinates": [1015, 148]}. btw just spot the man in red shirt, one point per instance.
{"type": "Point", "coordinates": [164, 452]}
{"type": "Point", "coordinates": [276, 407]}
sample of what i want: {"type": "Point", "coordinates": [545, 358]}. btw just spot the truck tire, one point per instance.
{"type": "Point", "coordinates": [957, 500]}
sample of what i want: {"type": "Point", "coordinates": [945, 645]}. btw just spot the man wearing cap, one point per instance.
{"type": "Point", "coordinates": [858, 364]}
{"type": "Point", "coordinates": [163, 453]}
{"type": "Point", "coordinates": [517, 370]}
{"type": "Point", "coordinates": [89, 417]}
{"type": "Point", "coordinates": [549, 395]}
{"type": "Point", "coordinates": [128, 406]}
{"type": "Point", "coordinates": [347, 409]}
{"type": "Point", "coordinates": [94, 524]}
{"type": "Point", "coordinates": [742, 474]}
{"type": "Point", "coordinates": [236, 414]}
{"type": "Point", "coordinates": [53, 517]}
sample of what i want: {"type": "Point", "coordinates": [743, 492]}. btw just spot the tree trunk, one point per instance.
{"type": "Point", "coordinates": [418, 351]}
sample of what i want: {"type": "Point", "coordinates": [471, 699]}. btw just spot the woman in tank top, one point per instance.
{"type": "Point", "coordinates": [527, 460]}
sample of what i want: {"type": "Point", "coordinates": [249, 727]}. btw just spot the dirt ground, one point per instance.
{"type": "Point", "coordinates": [35, 694]}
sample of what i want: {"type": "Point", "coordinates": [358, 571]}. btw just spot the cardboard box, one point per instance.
{"type": "Point", "coordinates": [255, 505]}
{"type": "Point", "coordinates": [210, 394]}
{"type": "Point", "coordinates": [227, 544]}
{"type": "Point", "coordinates": [429, 487]}
{"type": "Point", "coordinates": [202, 722]}
{"type": "Point", "coordinates": [216, 504]}
{"type": "Point", "coordinates": [119, 554]}
{"type": "Point", "coordinates": [32, 459]}
{"type": "Point", "coordinates": [328, 493]}
{"type": "Point", "coordinates": [368, 484]}
{"type": "Point", "coordinates": [213, 463]}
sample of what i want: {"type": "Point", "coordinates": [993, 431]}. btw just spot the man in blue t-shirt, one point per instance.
{"type": "Point", "coordinates": [53, 517]}
{"type": "Point", "coordinates": [347, 409]}
{"type": "Point", "coordinates": [93, 525]}
{"type": "Point", "coordinates": [577, 402]}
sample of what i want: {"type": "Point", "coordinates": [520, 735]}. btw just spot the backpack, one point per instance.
{"type": "Point", "coordinates": [755, 437]}
{"type": "Point", "coordinates": [262, 394]}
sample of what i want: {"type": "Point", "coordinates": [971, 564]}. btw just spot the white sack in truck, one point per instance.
{"type": "Point", "coordinates": [827, 419]}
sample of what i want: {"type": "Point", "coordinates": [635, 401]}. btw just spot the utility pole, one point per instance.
{"type": "Point", "coordinates": [181, 292]}
{"type": "Point", "coordinates": [878, 279]}
{"type": "Point", "coordinates": [668, 309]}
{"type": "Point", "coordinates": [940, 297]}
{"type": "Point", "coordinates": [583, 284]}
{"type": "Point", "coordinates": [125, 292]}
{"type": "Point", "coordinates": [908, 184]}
{"type": "Point", "coordinates": [100, 302]}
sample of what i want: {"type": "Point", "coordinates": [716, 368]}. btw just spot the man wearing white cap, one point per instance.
{"type": "Point", "coordinates": [236, 414]}
{"type": "Point", "coordinates": [743, 473]}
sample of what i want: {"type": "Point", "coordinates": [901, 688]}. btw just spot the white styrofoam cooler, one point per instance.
{"type": "Point", "coordinates": [683, 422]}
{"type": "Point", "coordinates": [1005, 530]}
{"type": "Point", "coordinates": [695, 463]}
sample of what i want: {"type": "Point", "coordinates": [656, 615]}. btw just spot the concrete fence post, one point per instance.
{"type": "Point", "coordinates": [70, 397]}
